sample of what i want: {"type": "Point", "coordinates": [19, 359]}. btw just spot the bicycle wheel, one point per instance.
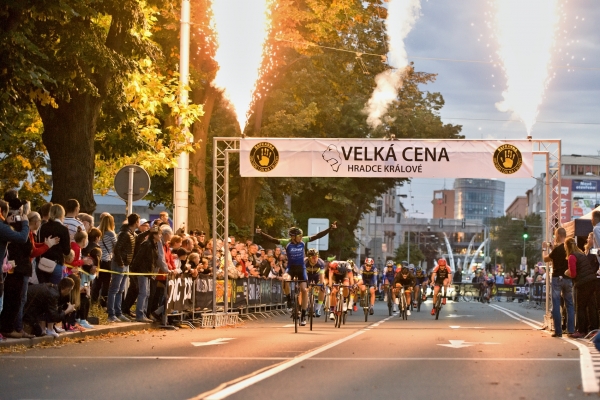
{"type": "Point", "coordinates": [419, 301]}
{"type": "Point", "coordinates": [438, 306]}
{"type": "Point", "coordinates": [390, 302]}
{"type": "Point", "coordinates": [295, 311]}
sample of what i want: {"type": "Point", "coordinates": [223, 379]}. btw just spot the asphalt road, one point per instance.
{"type": "Point", "coordinates": [473, 351]}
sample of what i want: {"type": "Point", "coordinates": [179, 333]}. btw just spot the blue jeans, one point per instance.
{"type": "Point", "coordinates": [115, 290]}
{"type": "Point", "coordinates": [19, 321]}
{"type": "Point", "coordinates": [143, 294]}
{"type": "Point", "coordinates": [564, 287]}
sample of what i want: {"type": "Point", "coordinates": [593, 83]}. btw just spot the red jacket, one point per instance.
{"type": "Point", "coordinates": [38, 248]}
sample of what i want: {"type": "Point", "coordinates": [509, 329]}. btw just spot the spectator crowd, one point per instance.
{"type": "Point", "coordinates": [57, 264]}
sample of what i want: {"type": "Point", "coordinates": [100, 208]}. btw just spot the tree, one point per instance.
{"type": "Point", "coordinates": [401, 254]}
{"type": "Point", "coordinates": [507, 237]}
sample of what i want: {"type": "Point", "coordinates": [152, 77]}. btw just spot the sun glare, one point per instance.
{"type": "Point", "coordinates": [241, 27]}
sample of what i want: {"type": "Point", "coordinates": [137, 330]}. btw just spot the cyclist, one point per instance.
{"type": "Point", "coordinates": [421, 283]}
{"type": "Point", "coordinates": [315, 269]}
{"type": "Point", "coordinates": [405, 279]}
{"type": "Point", "coordinates": [489, 286]}
{"type": "Point", "coordinates": [357, 278]}
{"type": "Point", "coordinates": [368, 274]}
{"type": "Point", "coordinates": [479, 282]}
{"type": "Point", "coordinates": [340, 272]}
{"type": "Point", "coordinates": [295, 249]}
{"type": "Point", "coordinates": [389, 272]}
{"type": "Point", "coordinates": [441, 275]}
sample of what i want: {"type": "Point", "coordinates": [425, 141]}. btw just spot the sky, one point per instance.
{"type": "Point", "coordinates": [450, 29]}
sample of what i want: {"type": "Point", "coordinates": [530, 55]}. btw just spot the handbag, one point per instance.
{"type": "Point", "coordinates": [46, 265]}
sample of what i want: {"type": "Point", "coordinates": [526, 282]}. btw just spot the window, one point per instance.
{"type": "Point", "coordinates": [379, 208]}
{"type": "Point", "coordinates": [580, 170]}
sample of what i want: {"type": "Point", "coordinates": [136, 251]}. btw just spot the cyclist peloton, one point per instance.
{"type": "Point", "coordinates": [340, 272]}
{"type": "Point", "coordinates": [421, 284]}
{"type": "Point", "coordinates": [295, 249]}
{"type": "Point", "coordinates": [315, 269]}
{"type": "Point", "coordinates": [404, 278]}
{"type": "Point", "coordinates": [368, 276]}
{"type": "Point", "coordinates": [441, 275]}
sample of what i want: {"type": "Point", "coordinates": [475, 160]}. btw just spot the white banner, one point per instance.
{"type": "Point", "coordinates": [368, 158]}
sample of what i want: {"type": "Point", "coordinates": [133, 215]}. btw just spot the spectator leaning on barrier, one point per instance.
{"type": "Point", "coordinates": [42, 310]}
{"type": "Point", "coordinates": [145, 262]}
{"type": "Point", "coordinates": [165, 266]}
{"type": "Point", "coordinates": [123, 254]}
{"type": "Point", "coordinates": [562, 285]}
{"type": "Point", "coordinates": [584, 278]}
{"type": "Point", "coordinates": [457, 281]}
{"type": "Point", "coordinates": [54, 228]}
{"type": "Point", "coordinates": [133, 290]}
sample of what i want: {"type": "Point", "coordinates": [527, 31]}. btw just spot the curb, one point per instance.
{"type": "Point", "coordinates": [97, 331]}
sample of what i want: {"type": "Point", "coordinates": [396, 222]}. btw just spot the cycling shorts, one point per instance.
{"type": "Point", "coordinates": [440, 282]}
{"type": "Point", "coordinates": [298, 272]}
{"type": "Point", "coordinates": [407, 289]}
{"type": "Point", "coordinates": [339, 278]}
{"type": "Point", "coordinates": [314, 278]}
{"type": "Point", "coordinates": [389, 278]}
{"type": "Point", "coordinates": [370, 282]}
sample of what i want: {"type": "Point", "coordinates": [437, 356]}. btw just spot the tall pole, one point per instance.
{"type": "Point", "coordinates": [182, 170]}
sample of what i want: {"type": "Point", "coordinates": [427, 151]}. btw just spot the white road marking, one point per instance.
{"type": "Point", "coordinates": [458, 344]}
{"type": "Point", "coordinates": [212, 342]}
{"type": "Point", "coordinates": [288, 326]}
{"type": "Point", "coordinates": [516, 314]}
{"type": "Point", "coordinates": [466, 327]}
{"type": "Point", "coordinates": [457, 316]}
{"type": "Point", "coordinates": [589, 382]}
{"type": "Point", "coordinates": [264, 374]}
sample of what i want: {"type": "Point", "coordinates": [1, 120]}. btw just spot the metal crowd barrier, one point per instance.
{"type": "Point", "coordinates": [190, 300]}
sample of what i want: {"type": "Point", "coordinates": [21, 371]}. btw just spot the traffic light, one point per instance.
{"type": "Point", "coordinates": [367, 252]}
{"type": "Point", "coordinates": [525, 234]}
{"type": "Point", "coordinates": [463, 223]}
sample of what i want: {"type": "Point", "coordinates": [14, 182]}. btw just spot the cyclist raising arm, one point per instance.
{"type": "Point", "coordinates": [441, 275]}
{"type": "Point", "coordinates": [295, 248]}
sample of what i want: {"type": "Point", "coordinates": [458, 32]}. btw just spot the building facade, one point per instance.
{"type": "Point", "coordinates": [443, 204]}
{"type": "Point", "coordinates": [478, 199]}
{"type": "Point", "coordinates": [518, 208]}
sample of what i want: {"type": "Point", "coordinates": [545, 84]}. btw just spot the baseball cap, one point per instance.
{"type": "Point", "coordinates": [143, 221]}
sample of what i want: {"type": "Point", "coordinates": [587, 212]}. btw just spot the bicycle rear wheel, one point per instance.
{"type": "Point", "coordinates": [390, 303]}
{"type": "Point", "coordinates": [295, 311]}
{"type": "Point", "coordinates": [438, 306]}
{"type": "Point", "coordinates": [311, 308]}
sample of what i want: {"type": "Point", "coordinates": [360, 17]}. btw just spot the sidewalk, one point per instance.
{"type": "Point", "coordinates": [97, 331]}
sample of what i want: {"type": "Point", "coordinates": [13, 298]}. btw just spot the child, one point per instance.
{"type": "Point", "coordinates": [92, 252]}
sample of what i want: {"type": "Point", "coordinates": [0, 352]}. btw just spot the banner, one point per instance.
{"type": "Point", "coordinates": [369, 158]}
{"type": "Point", "coordinates": [179, 293]}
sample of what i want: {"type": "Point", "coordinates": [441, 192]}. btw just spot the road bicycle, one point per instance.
{"type": "Point", "coordinates": [365, 301]}
{"type": "Point", "coordinates": [338, 311]}
{"type": "Point", "coordinates": [402, 305]}
{"type": "Point", "coordinates": [295, 289]}
{"type": "Point", "coordinates": [390, 301]}
{"type": "Point", "coordinates": [420, 293]}
{"type": "Point", "coordinates": [437, 303]}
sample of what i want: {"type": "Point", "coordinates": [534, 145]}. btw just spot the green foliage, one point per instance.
{"type": "Point", "coordinates": [507, 237]}
{"type": "Point", "coordinates": [401, 254]}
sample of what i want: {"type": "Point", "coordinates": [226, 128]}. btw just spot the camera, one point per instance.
{"type": "Point", "coordinates": [17, 218]}
{"type": "Point", "coordinates": [594, 251]}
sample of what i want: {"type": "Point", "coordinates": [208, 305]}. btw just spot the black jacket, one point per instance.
{"type": "Point", "coordinates": [123, 252]}
{"type": "Point", "coordinates": [20, 253]}
{"type": "Point", "coordinates": [585, 272]}
{"type": "Point", "coordinates": [145, 258]}
{"type": "Point", "coordinates": [63, 248]}
{"type": "Point", "coordinates": [43, 300]}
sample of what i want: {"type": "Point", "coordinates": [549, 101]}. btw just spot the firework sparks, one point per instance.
{"type": "Point", "coordinates": [402, 15]}
{"type": "Point", "coordinates": [242, 27]}
{"type": "Point", "coordinates": [525, 30]}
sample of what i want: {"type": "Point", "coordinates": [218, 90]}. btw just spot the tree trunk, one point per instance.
{"type": "Point", "coordinates": [69, 132]}
{"type": "Point", "coordinates": [242, 209]}
{"type": "Point", "coordinates": [198, 207]}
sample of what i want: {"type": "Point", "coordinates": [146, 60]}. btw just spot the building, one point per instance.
{"type": "Point", "coordinates": [518, 208]}
{"type": "Point", "coordinates": [443, 204]}
{"type": "Point", "coordinates": [380, 230]}
{"type": "Point", "coordinates": [580, 185]}
{"type": "Point", "coordinates": [478, 199]}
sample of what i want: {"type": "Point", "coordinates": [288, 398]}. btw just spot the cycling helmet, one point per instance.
{"type": "Point", "coordinates": [295, 231]}
{"type": "Point", "coordinates": [389, 263]}
{"type": "Point", "coordinates": [411, 267]}
{"type": "Point", "coordinates": [351, 262]}
{"type": "Point", "coordinates": [339, 267]}
{"type": "Point", "coordinates": [313, 252]}
{"type": "Point", "coordinates": [404, 271]}
{"type": "Point", "coordinates": [369, 261]}
{"type": "Point", "coordinates": [419, 268]}
{"type": "Point", "coordinates": [405, 263]}
{"type": "Point", "coordinates": [441, 262]}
